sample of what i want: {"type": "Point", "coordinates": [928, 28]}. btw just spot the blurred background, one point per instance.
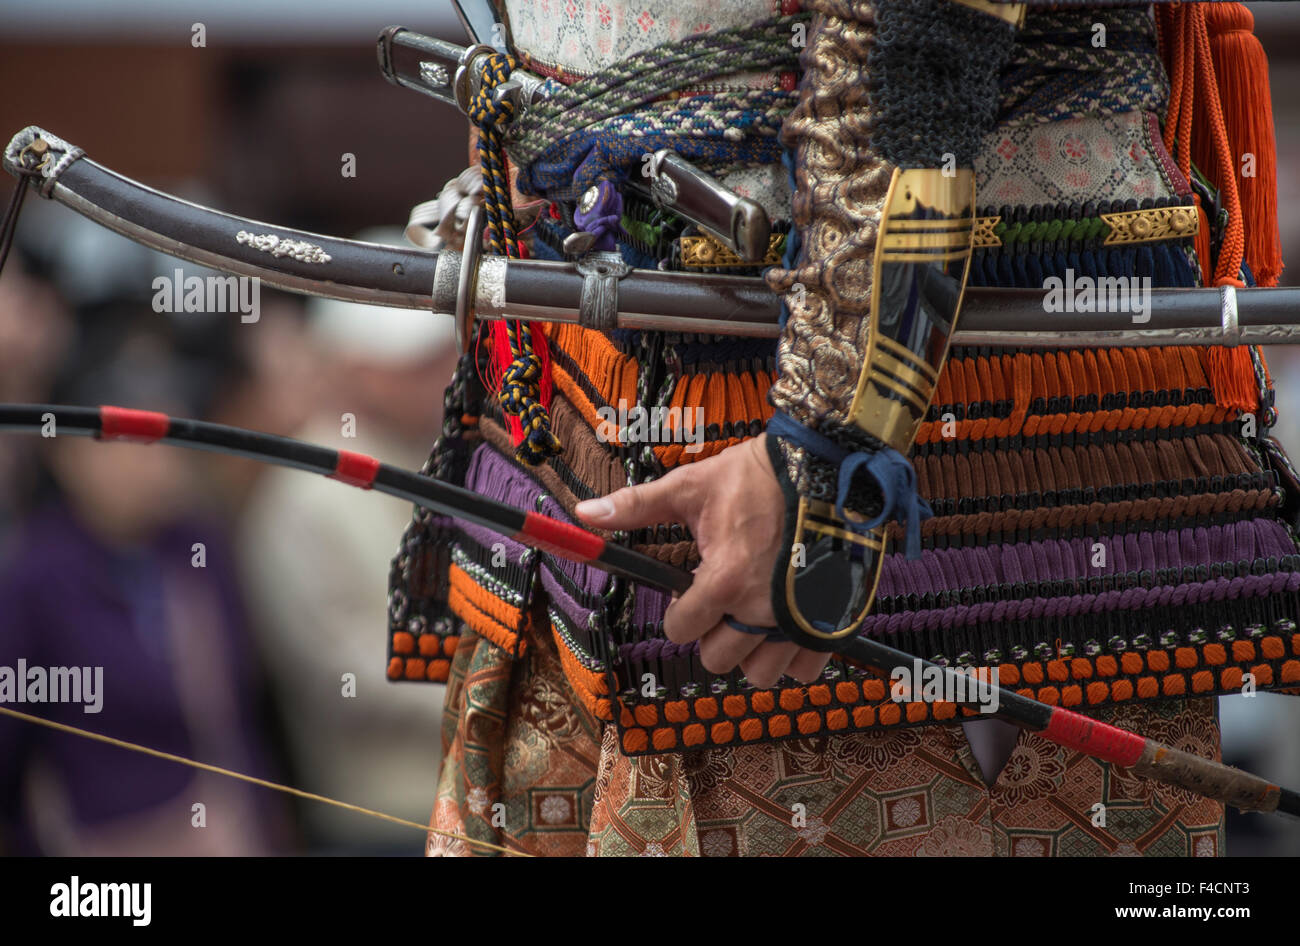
{"type": "Point", "coordinates": [245, 662]}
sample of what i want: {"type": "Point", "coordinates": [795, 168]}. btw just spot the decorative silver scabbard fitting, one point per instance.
{"type": "Point", "coordinates": [598, 306]}
{"type": "Point", "coordinates": [294, 249]}
{"type": "Point", "coordinates": [55, 155]}
{"type": "Point", "coordinates": [1228, 314]}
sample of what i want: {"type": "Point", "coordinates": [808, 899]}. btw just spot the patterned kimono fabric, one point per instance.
{"type": "Point", "coordinates": [547, 751]}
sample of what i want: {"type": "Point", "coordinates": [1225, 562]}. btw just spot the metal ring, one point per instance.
{"type": "Point", "coordinates": [1228, 315]}
{"type": "Point", "coordinates": [467, 81]}
{"type": "Point", "coordinates": [468, 278]}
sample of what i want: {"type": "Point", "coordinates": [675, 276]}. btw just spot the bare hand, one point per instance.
{"type": "Point", "coordinates": [733, 506]}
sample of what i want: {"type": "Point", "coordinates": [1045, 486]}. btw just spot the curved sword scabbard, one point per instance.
{"type": "Point", "coordinates": [285, 258]}
{"type": "Point", "coordinates": [408, 278]}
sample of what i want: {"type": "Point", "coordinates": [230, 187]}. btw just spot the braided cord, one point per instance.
{"type": "Point", "coordinates": [521, 397]}
{"type": "Point", "coordinates": [520, 393]}
{"type": "Point", "coordinates": [650, 75]}
{"type": "Point", "coordinates": [490, 117]}
{"type": "Point", "coordinates": [722, 129]}
{"type": "Point", "coordinates": [1057, 73]}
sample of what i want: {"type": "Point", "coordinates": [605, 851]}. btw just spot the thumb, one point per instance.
{"type": "Point", "coordinates": [662, 500]}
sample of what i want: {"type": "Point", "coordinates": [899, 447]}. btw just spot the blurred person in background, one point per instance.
{"type": "Point", "coordinates": [273, 385]}
{"type": "Point", "coordinates": [118, 566]}
{"type": "Point", "coordinates": [35, 331]}
{"type": "Point", "coordinates": [316, 559]}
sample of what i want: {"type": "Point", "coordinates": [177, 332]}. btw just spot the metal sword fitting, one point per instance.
{"type": "Point", "coordinates": [1228, 314]}
{"type": "Point", "coordinates": [598, 305]}
{"type": "Point", "coordinates": [445, 71]}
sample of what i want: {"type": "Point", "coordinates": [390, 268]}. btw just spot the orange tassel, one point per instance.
{"type": "Point", "coordinates": [1232, 378]}
{"type": "Point", "coordinates": [1241, 67]}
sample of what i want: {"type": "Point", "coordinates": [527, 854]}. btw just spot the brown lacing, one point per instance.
{"type": "Point", "coordinates": [681, 554]}
{"type": "Point", "coordinates": [1044, 469]}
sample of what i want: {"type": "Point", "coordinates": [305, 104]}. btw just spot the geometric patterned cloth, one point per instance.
{"type": "Point", "coordinates": [566, 790]}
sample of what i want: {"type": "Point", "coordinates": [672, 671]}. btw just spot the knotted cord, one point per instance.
{"type": "Point", "coordinates": [520, 393]}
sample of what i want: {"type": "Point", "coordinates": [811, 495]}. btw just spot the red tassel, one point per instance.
{"type": "Point", "coordinates": [545, 384]}
{"type": "Point", "coordinates": [501, 359]}
{"type": "Point", "coordinates": [1241, 67]}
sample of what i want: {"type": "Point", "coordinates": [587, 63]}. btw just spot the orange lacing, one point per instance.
{"type": "Point", "coordinates": [1185, 43]}
{"type": "Point", "coordinates": [1029, 376]}
{"type": "Point", "coordinates": [1077, 681]}
{"type": "Point", "coordinates": [485, 613]}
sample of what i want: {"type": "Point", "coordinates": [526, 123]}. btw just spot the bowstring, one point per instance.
{"type": "Point", "coordinates": [252, 780]}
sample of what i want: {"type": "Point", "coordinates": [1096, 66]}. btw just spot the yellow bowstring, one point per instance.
{"type": "Point", "coordinates": [287, 789]}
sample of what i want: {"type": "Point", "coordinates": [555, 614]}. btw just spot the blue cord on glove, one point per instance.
{"type": "Point", "coordinates": [890, 469]}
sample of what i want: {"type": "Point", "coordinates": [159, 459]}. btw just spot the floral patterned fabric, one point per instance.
{"type": "Point", "coordinates": [519, 753]}
{"type": "Point", "coordinates": [1107, 157]}
{"type": "Point", "coordinates": [571, 39]}
{"type": "Point", "coordinates": [518, 740]}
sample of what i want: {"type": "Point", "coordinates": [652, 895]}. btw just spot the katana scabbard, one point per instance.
{"type": "Point", "coordinates": [411, 278]}
{"type": "Point", "coordinates": [282, 257]}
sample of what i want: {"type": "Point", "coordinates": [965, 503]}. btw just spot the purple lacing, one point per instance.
{"type": "Point", "coordinates": [487, 538]}
{"type": "Point", "coordinates": [649, 605]}
{"type": "Point", "coordinates": [564, 602]}
{"type": "Point", "coordinates": [1054, 559]}
{"type": "Point", "coordinates": [1130, 599]}
{"type": "Point", "coordinates": [495, 477]}
{"type": "Point", "coordinates": [658, 648]}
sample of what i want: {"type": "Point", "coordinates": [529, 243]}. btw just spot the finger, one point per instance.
{"type": "Point", "coordinates": [713, 595]}
{"type": "Point", "coordinates": [724, 647]}
{"type": "Point", "coordinates": [768, 663]}
{"type": "Point", "coordinates": [808, 665]}
{"type": "Point", "coordinates": [662, 500]}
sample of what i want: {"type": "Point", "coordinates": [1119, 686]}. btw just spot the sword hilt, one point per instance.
{"type": "Point", "coordinates": [447, 72]}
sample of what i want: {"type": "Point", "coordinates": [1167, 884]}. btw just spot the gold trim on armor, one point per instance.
{"type": "Point", "coordinates": [954, 239]}
{"type": "Point", "coordinates": [818, 510]}
{"type": "Point", "coordinates": [901, 352]}
{"type": "Point", "coordinates": [984, 235]}
{"type": "Point", "coordinates": [805, 523]}
{"type": "Point", "coordinates": [1130, 226]}
{"type": "Point", "coordinates": [881, 376]}
{"type": "Point", "coordinates": [703, 251]}
{"type": "Point", "coordinates": [887, 363]}
{"type": "Point", "coordinates": [896, 256]}
{"type": "Point", "coordinates": [901, 225]}
{"type": "Point", "coordinates": [1156, 223]}
{"type": "Point", "coordinates": [953, 195]}
{"type": "Point", "coordinates": [887, 419]}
